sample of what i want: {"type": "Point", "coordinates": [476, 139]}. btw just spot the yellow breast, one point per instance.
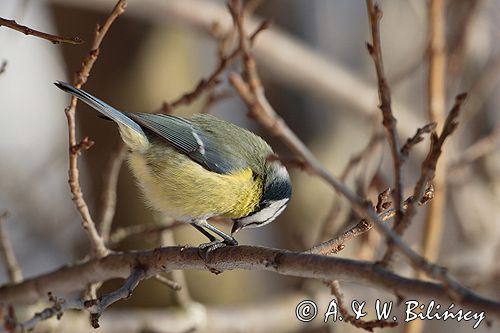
{"type": "Point", "coordinates": [174, 184]}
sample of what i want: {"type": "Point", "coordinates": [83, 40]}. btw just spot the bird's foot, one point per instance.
{"type": "Point", "coordinates": [206, 248]}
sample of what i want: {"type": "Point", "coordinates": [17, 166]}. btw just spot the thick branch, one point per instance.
{"type": "Point", "coordinates": [68, 279]}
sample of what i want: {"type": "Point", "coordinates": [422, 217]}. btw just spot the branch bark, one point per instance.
{"type": "Point", "coordinates": [97, 244]}
{"type": "Point", "coordinates": [29, 31]}
{"type": "Point", "coordinates": [120, 265]}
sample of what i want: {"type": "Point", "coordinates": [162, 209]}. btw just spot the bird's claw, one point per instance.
{"type": "Point", "coordinates": [206, 248]}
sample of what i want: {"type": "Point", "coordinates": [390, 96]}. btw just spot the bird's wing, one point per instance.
{"type": "Point", "coordinates": [105, 109]}
{"type": "Point", "coordinates": [183, 136]}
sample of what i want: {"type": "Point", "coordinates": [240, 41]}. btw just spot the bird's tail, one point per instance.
{"type": "Point", "coordinates": [131, 132]}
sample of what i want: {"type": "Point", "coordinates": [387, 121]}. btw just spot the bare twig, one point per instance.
{"type": "Point", "coordinates": [141, 229]}
{"type": "Point", "coordinates": [346, 316]}
{"type": "Point", "coordinates": [429, 167]}
{"type": "Point", "coordinates": [314, 73]}
{"type": "Point", "coordinates": [434, 221]}
{"type": "Point", "coordinates": [108, 197]}
{"type": "Point", "coordinates": [253, 95]}
{"type": "Point", "coordinates": [167, 282]}
{"type": "Point", "coordinates": [95, 306]}
{"type": "Point", "coordinates": [7, 253]}
{"type": "Point", "coordinates": [333, 214]}
{"type": "Point", "coordinates": [214, 78]}
{"type": "Point", "coordinates": [152, 262]}
{"type": "Point", "coordinates": [97, 244]}
{"type": "Point", "coordinates": [389, 121]}
{"type": "Point", "coordinates": [182, 296]}
{"type": "Point", "coordinates": [271, 314]}
{"type": "Point", "coordinates": [418, 137]}
{"type": "Point", "coordinates": [28, 31]}
{"type": "Point", "coordinates": [337, 244]}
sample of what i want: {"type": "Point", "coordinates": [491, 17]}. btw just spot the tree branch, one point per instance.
{"type": "Point", "coordinates": [108, 196]}
{"type": "Point", "coordinates": [337, 244]}
{"type": "Point", "coordinates": [252, 93]}
{"type": "Point", "coordinates": [7, 253]}
{"type": "Point", "coordinates": [95, 306]}
{"type": "Point", "coordinates": [97, 244]}
{"type": "Point", "coordinates": [28, 31]}
{"type": "Point", "coordinates": [389, 121]}
{"type": "Point", "coordinates": [152, 262]}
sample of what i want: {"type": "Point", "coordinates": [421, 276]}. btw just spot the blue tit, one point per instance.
{"type": "Point", "coordinates": [193, 169]}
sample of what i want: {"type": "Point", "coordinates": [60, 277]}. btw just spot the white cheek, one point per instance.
{"type": "Point", "coordinates": [266, 215]}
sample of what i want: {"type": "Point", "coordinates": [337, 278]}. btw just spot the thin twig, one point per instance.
{"type": "Point", "coordinates": [369, 325]}
{"type": "Point", "coordinates": [95, 306]}
{"type": "Point", "coordinates": [7, 253]}
{"type": "Point", "coordinates": [428, 168]}
{"type": "Point", "coordinates": [333, 213]}
{"type": "Point", "coordinates": [418, 137]}
{"type": "Point", "coordinates": [167, 282]}
{"type": "Point", "coordinates": [389, 121]}
{"type": "Point", "coordinates": [435, 215]}
{"type": "Point", "coordinates": [252, 93]}
{"type": "Point", "coordinates": [97, 244]}
{"type": "Point", "coordinates": [182, 296]}
{"type": "Point", "coordinates": [213, 79]}
{"type": "Point", "coordinates": [140, 229]}
{"type": "Point", "coordinates": [108, 196]}
{"type": "Point", "coordinates": [337, 244]}
{"type": "Point", "coordinates": [28, 31]}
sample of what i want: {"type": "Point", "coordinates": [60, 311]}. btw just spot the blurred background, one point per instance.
{"type": "Point", "coordinates": [160, 49]}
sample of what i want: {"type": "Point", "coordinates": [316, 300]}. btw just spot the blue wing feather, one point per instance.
{"type": "Point", "coordinates": [185, 137]}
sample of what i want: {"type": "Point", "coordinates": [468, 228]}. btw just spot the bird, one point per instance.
{"type": "Point", "coordinates": [200, 167]}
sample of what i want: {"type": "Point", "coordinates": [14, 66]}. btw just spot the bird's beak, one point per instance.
{"type": "Point", "coordinates": [236, 227]}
